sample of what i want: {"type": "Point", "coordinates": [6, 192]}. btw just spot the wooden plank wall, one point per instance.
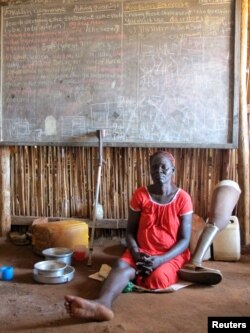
{"type": "Point", "coordinates": [60, 181]}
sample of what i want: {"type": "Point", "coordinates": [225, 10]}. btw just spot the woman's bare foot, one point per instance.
{"type": "Point", "coordinates": [86, 309]}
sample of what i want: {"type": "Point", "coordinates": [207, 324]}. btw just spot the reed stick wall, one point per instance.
{"type": "Point", "coordinates": [56, 181]}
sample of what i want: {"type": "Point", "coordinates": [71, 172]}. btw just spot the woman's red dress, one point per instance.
{"type": "Point", "coordinates": [157, 233]}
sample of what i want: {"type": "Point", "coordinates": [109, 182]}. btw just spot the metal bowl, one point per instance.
{"type": "Point", "coordinates": [58, 253]}
{"type": "Point", "coordinates": [50, 268]}
{"type": "Point", "coordinates": [66, 277]}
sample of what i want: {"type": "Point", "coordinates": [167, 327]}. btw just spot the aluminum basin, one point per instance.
{"type": "Point", "coordinates": [58, 253]}
{"type": "Point", "coordinates": [50, 268]}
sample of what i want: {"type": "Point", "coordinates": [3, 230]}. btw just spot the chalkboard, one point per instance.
{"type": "Point", "coordinates": [151, 73]}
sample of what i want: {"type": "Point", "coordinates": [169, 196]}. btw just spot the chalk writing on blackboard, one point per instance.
{"type": "Point", "coordinates": [149, 72]}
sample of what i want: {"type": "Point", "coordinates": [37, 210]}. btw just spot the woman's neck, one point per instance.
{"type": "Point", "coordinates": [162, 193]}
{"type": "Point", "coordinates": [162, 189]}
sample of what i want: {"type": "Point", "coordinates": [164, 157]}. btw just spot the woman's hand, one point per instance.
{"type": "Point", "coordinates": [136, 254]}
{"type": "Point", "coordinates": [146, 264]}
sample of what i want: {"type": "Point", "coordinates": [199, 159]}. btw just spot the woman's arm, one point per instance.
{"type": "Point", "coordinates": [131, 232]}
{"type": "Point", "coordinates": [183, 238]}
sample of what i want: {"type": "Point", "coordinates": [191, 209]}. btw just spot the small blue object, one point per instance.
{"type": "Point", "coordinates": [6, 273]}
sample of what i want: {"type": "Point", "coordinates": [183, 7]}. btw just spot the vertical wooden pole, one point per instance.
{"type": "Point", "coordinates": [243, 151]}
{"type": "Point", "coordinates": [5, 218]}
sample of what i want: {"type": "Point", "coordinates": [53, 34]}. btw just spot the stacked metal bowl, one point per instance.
{"type": "Point", "coordinates": [58, 253]}
{"type": "Point", "coordinates": [56, 268]}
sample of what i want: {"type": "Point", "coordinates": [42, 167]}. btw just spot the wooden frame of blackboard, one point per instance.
{"type": "Point", "coordinates": [89, 138]}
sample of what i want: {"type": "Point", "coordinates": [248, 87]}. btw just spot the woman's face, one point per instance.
{"type": "Point", "coordinates": [161, 169]}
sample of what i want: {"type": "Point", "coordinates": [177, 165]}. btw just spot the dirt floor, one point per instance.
{"type": "Point", "coordinates": [28, 306]}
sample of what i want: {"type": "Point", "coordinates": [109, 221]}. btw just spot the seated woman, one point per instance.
{"type": "Point", "coordinates": [158, 235]}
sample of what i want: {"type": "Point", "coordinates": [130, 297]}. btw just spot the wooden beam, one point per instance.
{"type": "Point", "coordinates": [100, 224]}
{"type": "Point", "coordinates": [5, 220]}
{"type": "Point", "coordinates": [243, 151]}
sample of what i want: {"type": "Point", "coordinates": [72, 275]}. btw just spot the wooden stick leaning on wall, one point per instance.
{"type": "Point", "coordinates": [243, 151]}
{"type": "Point", "coordinates": [5, 218]}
